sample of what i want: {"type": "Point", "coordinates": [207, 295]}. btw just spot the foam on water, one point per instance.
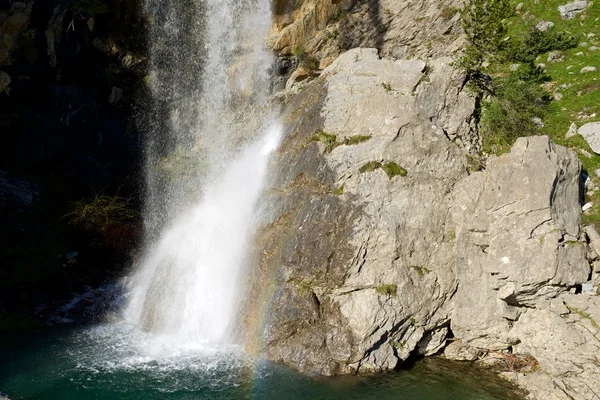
{"type": "Point", "coordinates": [189, 282]}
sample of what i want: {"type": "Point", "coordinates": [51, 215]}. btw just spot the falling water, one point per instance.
{"type": "Point", "coordinates": [210, 136]}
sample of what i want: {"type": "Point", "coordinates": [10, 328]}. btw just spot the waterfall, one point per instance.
{"type": "Point", "coordinates": [209, 138]}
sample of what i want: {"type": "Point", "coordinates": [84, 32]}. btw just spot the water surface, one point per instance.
{"type": "Point", "coordinates": [119, 362]}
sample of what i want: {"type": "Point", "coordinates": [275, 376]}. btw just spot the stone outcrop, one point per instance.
{"type": "Point", "coordinates": [365, 233]}
{"type": "Point", "coordinates": [383, 242]}
{"type": "Point", "coordinates": [591, 134]}
{"type": "Point", "coordinates": [399, 29]}
{"type": "Point", "coordinates": [570, 10]}
{"type": "Point", "coordinates": [517, 239]}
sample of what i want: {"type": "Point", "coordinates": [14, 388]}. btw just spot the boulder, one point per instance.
{"type": "Point", "coordinates": [564, 340]}
{"type": "Point", "coordinates": [572, 130]}
{"type": "Point", "coordinates": [543, 26]}
{"type": "Point", "coordinates": [569, 10]}
{"type": "Point", "coordinates": [587, 69]}
{"type": "Point", "coordinates": [517, 239]}
{"type": "Point", "coordinates": [591, 134]}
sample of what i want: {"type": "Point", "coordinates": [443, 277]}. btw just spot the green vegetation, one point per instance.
{"type": "Point", "coordinates": [305, 60]}
{"type": "Point", "coordinates": [101, 212]}
{"type": "Point", "coordinates": [304, 287]}
{"type": "Point", "coordinates": [389, 290]}
{"type": "Point", "coordinates": [386, 86]}
{"type": "Point", "coordinates": [328, 139]}
{"type": "Point", "coordinates": [370, 167]}
{"type": "Point", "coordinates": [339, 191]}
{"type": "Point", "coordinates": [420, 270]}
{"type": "Point", "coordinates": [392, 169]}
{"type": "Point", "coordinates": [552, 89]}
{"type": "Point", "coordinates": [12, 322]}
{"type": "Point", "coordinates": [356, 139]}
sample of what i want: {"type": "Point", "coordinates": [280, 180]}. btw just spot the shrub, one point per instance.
{"type": "Point", "coordinates": [538, 42]}
{"type": "Point", "coordinates": [509, 114]}
{"type": "Point", "coordinates": [483, 23]}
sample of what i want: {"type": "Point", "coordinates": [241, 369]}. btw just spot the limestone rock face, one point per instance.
{"type": "Point", "coordinates": [398, 29]}
{"type": "Point", "coordinates": [518, 239]}
{"type": "Point", "coordinates": [361, 235]}
{"type": "Point", "coordinates": [563, 335]}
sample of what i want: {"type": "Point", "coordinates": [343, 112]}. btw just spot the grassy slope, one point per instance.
{"type": "Point", "coordinates": [581, 98]}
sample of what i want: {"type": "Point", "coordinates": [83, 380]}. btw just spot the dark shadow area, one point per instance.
{"type": "Point", "coordinates": [69, 135]}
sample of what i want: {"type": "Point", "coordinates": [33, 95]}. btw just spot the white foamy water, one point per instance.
{"type": "Point", "coordinates": [209, 138]}
{"type": "Point", "coordinates": [189, 282]}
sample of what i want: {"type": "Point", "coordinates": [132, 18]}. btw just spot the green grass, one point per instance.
{"type": "Point", "coordinates": [339, 191]}
{"type": "Point", "coordinates": [580, 92]}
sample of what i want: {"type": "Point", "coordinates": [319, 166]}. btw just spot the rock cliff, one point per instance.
{"type": "Point", "coordinates": [389, 237]}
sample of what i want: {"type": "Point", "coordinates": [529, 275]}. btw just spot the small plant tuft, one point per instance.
{"type": "Point", "coordinates": [420, 270]}
{"type": "Point", "coordinates": [370, 167]}
{"type": "Point", "coordinates": [388, 289]}
{"type": "Point", "coordinates": [328, 139]}
{"type": "Point", "coordinates": [356, 139]}
{"type": "Point", "coordinates": [392, 169]}
{"type": "Point", "coordinates": [339, 191]}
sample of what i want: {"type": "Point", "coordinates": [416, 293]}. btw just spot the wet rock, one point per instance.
{"type": "Point", "coordinates": [570, 10]}
{"type": "Point", "coordinates": [591, 134]}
